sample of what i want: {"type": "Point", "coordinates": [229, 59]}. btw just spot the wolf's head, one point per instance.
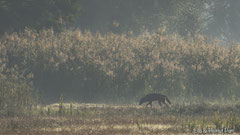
{"type": "Point", "coordinates": [142, 100]}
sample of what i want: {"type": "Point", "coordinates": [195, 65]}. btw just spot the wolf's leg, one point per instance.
{"type": "Point", "coordinates": [159, 102]}
{"type": "Point", "coordinates": [149, 103]}
{"type": "Point", "coordinates": [165, 104]}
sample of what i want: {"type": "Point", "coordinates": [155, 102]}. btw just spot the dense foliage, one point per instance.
{"type": "Point", "coordinates": [16, 92]}
{"type": "Point", "coordinates": [94, 67]}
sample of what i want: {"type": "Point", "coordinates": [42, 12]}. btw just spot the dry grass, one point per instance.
{"type": "Point", "coordinates": [101, 119]}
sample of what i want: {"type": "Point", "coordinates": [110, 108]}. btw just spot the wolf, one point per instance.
{"type": "Point", "coordinates": [155, 97]}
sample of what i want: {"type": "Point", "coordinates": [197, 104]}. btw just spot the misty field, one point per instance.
{"type": "Point", "coordinates": [122, 119]}
{"type": "Point", "coordinates": [76, 67]}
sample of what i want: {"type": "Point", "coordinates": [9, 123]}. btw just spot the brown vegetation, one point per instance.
{"type": "Point", "coordinates": [93, 66]}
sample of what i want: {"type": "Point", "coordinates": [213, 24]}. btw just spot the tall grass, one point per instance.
{"type": "Point", "coordinates": [92, 67]}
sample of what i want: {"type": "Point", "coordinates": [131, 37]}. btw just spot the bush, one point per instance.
{"type": "Point", "coordinates": [16, 93]}
{"type": "Point", "coordinates": [94, 67]}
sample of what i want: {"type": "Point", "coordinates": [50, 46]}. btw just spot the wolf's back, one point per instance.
{"type": "Point", "coordinates": [154, 97]}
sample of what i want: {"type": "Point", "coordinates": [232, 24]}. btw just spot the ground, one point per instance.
{"type": "Point", "coordinates": [102, 119]}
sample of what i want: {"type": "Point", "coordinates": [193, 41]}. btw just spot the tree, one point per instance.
{"type": "Point", "coordinates": [182, 16]}
{"type": "Point", "coordinates": [223, 19]}
{"type": "Point", "coordinates": [15, 15]}
{"type": "Point", "coordinates": [188, 17]}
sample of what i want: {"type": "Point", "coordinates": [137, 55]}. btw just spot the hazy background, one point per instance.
{"type": "Point", "coordinates": [215, 18]}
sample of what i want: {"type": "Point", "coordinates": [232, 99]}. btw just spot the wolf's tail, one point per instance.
{"type": "Point", "coordinates": [168, 100]}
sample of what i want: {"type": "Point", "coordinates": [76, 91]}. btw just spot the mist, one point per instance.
{"type": "Point", "coordinates": [215, 19]}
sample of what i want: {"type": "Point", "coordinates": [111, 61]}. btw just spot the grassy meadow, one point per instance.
{"type": "Point", "coordinates": [95, 119]}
